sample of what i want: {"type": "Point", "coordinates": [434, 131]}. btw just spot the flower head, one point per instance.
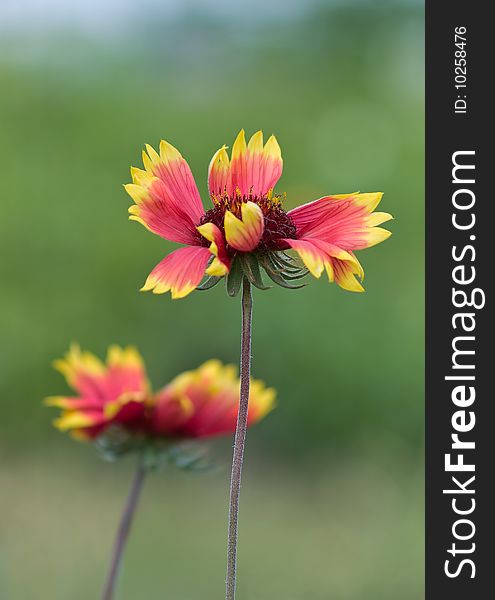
{"type": "Point", "coordinates": [116, 394]}
{"type": "Point", "coordinates": [204, 403]}
{"type": "Point", "coordinates": [112, 393]}
{"type": "Point", "coordinates": [247, 226]}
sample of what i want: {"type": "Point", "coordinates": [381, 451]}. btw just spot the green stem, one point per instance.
{"type": "Point", "coordinates": [239, 440]}
{"type": "Point", "coordinates": [123, 531]}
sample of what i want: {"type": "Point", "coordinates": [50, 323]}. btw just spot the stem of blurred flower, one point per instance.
{"type": "Point", "coordinates": [124, 529]}
{"type": "Point", "coordinates": [239, 440]}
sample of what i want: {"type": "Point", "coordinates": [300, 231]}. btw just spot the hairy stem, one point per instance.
{"type": "Point", "coordinates": [123, 531]}
{"type": "Point", "coordinates": [239, 440]}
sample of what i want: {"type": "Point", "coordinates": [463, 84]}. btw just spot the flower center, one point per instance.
{"type": "Point", "coordinates": [278, 224]}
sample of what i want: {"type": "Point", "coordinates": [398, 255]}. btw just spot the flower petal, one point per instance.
{"type": "Point", "coordinates": [171, 411]}
{"type": "Point", "coordinates": [84, 372]}
{"type": "Point", "coordinates": [340, 265]}
{"type": "Point", "coordinates": [220, 265]}
{"type": "Point", "coordinates": [167, 199]}
{"type": "Point", "coordinates": [244, 235]}
{"type": "Point", "coordinates": [345, 275]}
{"type": "Point", "coordinates": [175, 173]}
{"type": "Point", "coordinates": [128, 409]}
{"type": "Point", "coordinates": [310, 254]}
{"type": "Point", "coordinates": [261, 401]}
{"type": "Point", "coordinates": [377, 218]}
{"type": "Point", "coordinates": [271, 164]}
{"type": "Point", "coordinates": [254, 157]}
{"type": "Point", "coordinates": [238, 165]}
{"type": "Point", "coordinates": [254, 168]}
{"type": "Point", "coordinates": [125, 372]}
{"type": "Point", "coordinates": [180, 272]}
{"type": "Point", "coordinates": [68, 403]}
{"type": "Point", "coordinates": [345, 220]}
{"type": "Point", "coordinates": [78, 420]}
{"type": "Point", "coordinates": [219, 178]}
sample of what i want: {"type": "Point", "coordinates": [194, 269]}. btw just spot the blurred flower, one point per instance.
{"type": "Point", "coordinates": [247, 226]}
{"type": "Point", "coordinates": [196, 404]}
{"type": "Point", "coordinates": [113, 393]}
{"type": "Point", "coordinates": [204, 402]}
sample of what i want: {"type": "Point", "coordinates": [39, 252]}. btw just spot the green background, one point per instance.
{"type": "Point", "coordinates": [332, 500]}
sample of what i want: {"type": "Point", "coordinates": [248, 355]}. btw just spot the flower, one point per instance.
{"type": "Point", "coordinates": [113, 393]}
{"type": "Point", "coordinates": [247, 225]}
{"type": "Point", "coordinates": [196, 404]}
{"type": "Point", "coordinates": [204, 402]}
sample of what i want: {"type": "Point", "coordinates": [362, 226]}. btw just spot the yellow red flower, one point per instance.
{"type": "Point", "coordinates": [204, 402]}
{"type": "Point", "coordinates": [247, 218]}
{"type": "Point", "coordinates": [196, 404]}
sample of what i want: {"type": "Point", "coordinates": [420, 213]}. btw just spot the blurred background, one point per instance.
{"type": "Point", "coordinates": [332, 504]}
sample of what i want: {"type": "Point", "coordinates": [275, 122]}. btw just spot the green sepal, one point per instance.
{"type": "Point", "coordinates": [209, 282]}
{"type": "Point", "coordinates": [153, 452]}
{"type": "Point", "coordinates": [284, 259]}
{"type": "Point", "coordinates": [279, 280]}
{"type": "Point", "coordinates": [294, 276]}
{"type": "Point", "coordinates": [233, 279]}
{"type": "Point", "coordinates": [285, 262]}
{"type": "Point", "coordinates": [251, 268]}
{"type": "Point", "coordinates": [190, 457]}
{"type": "Point", "coordinates": [290, 274]}
{"type": "Point", "coordinates": [280, 276]}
